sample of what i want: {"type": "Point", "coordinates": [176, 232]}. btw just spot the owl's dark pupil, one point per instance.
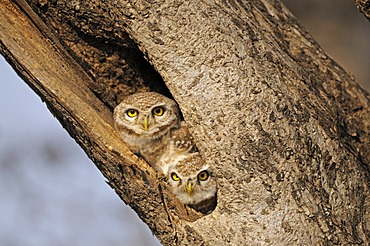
{"type": "Point", "coordinates": [158, 110]}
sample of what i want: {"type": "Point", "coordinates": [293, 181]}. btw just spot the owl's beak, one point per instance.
{"type": "Point", "coordinates": [189, 188]}
{"type": "Point", "coordinates": [146, 123]}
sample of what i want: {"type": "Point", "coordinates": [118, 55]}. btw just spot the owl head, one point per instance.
{"type": "Point", "coordinates": [146, 115]}
{"type": "Point", "coordinates": [191, 180]}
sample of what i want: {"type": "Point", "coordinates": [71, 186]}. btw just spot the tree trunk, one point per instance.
{"type": "Point", "coordinates": [286, 129]}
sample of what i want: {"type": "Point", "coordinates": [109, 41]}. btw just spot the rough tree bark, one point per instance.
{"type": "Point", "coordinates": [364, 7]}
{"type": "Point", "coordinates": [286, 129]}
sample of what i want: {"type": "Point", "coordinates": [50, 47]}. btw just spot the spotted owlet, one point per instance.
{"type": "Point", "coordinates": [193, 182]}
{"type": "Point", "coordinates": [149, 123]}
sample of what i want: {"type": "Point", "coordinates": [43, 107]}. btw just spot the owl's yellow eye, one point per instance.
{"type": "Point", "coordinates": [131, 113]}
{"type": "Point", "coordinates": [174, 177]}
{"type": "Point", "coordinates": [158, 111]}
{"type": "Point", "coordinates": [203, 175]}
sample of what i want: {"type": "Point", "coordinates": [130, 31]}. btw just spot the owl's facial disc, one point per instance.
{"type": "Point", "coordinates": [149, 119]}
{"type": "Point", "coordinates": [147, 123]}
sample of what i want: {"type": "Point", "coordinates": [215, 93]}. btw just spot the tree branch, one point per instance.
{"type": "Point", "coordinates": [285, 128]}
{"type": "Point", "coordinates": [55, 76]}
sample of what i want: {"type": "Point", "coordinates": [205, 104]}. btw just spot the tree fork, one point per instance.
{"type": "Point", "coordinates": [286, 129]}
